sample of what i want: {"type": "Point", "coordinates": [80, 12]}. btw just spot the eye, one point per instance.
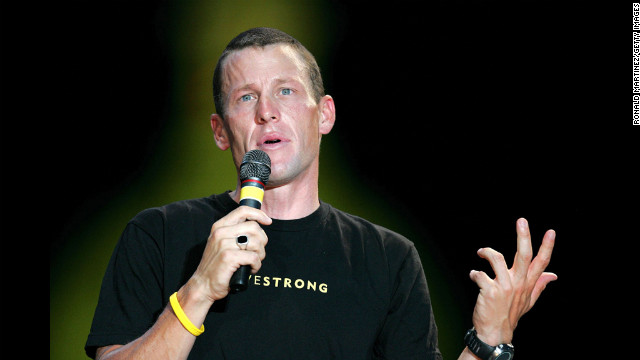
{"type": "Point", "coordinates": [286, 91]}
{"type": "Point", "coordinates": [247, 97]}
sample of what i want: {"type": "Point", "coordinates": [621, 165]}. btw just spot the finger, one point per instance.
{"type": "Point", "coordinates": [542, 259]}
{"type": "Point", "coordinates": [247, 228]}
{"type": "Point", "coordinates": [252, 259]}
{"type": "Point", "coordinates": [252, 214]}
{"type": "Point", "coordinates": [250, 229]}
{"type": "Point", "coordinates": [232, 261]}
{"type": "Point", "coordinates": [480, 278]}
{"type": "Point", "coordinates": [524, 251]}
{"type": "Point", "coordinates": [540, 285]}
{"type": "Point", "coordinates": [242, 214]}
{"type": "Point", "coordinates": [498, 265]}
{"type": "Point", "coordinates": [254, 244]}
{"type": "Point", "coordinates": [227, 238]}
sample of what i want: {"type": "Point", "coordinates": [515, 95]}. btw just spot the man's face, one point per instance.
{"type": "Point", "coordinates": [270, 107]}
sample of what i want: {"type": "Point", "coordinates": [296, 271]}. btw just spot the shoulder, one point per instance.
{"type": "Point", "coordinates": [158, 220]}
{"type": "Point", "coordinates": [175, 211]}
{"type": "Point", "coordinates": [372, 235]}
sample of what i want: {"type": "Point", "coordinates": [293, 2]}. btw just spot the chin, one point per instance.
{"type": "Point", "coordinates": [284, 172]}
{"type": "Point", "coordinates": [280, 176]}
{"type": "Point", "coordinates": [277, 181]}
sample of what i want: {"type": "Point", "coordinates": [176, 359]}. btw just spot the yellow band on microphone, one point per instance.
{"type": "Point", "coordinates": [252, 192]}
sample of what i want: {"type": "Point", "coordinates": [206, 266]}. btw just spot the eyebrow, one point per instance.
{"type": "Point", "coordinates": [277, 81]}
{"type": "Point", "coordinates": [244, 87]}
{"type": "Point", "coordinates": [280, 81]}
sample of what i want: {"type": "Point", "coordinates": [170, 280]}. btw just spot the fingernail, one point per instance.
{"type": "Point", "coordinates": [522, 223]}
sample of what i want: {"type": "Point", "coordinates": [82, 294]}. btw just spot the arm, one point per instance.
{"type": "Point", "coordinates": [504, 300]}
{"type": "Point", "coordinates": [167, 338]}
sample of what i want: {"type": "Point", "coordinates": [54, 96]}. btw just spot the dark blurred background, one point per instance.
{"type": "Point", "coordinates": [500, 109]}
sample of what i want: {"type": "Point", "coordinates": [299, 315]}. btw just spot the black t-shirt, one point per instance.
{"type": "Point", "coordinates": [332, 286]}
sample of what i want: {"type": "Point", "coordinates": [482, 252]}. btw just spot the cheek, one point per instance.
{"type": "Point", "coordinates": [305, 118]}
{"type": "Point", "coordinates": [239, 136]}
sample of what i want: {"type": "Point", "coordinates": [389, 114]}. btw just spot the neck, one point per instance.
{"type": "Point", "coordinates": [293, 200]}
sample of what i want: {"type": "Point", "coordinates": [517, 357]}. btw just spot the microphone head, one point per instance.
{"type": "Point", "coordinates": [255, 164]}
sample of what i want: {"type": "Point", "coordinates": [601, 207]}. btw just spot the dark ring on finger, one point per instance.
{"type": "Point", "coordinates": [242, 241]}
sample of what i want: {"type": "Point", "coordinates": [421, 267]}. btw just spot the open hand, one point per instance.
{"type": "Point", "coordinates": [503, 300]}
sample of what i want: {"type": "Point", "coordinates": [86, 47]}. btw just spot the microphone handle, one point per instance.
{"type": "Point", "coordinates": [240, 279]}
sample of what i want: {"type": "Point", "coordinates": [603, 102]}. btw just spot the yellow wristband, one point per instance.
{"type": "Point", "coordinates": [184, 320]}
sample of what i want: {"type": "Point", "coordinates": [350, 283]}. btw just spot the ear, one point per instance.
{"type": "Point", "coordinates": [328, 114]}
{"type": "Point", "coordinates": [219, 132]}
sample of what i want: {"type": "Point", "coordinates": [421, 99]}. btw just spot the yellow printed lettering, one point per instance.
{"type": "Point", "coordinates": [286, 282]}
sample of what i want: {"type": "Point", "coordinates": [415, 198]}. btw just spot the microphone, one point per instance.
{"type": "Point", "coordinates": [254, 174]}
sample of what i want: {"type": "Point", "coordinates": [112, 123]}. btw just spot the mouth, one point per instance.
{"type": "Point", "coordinates": [272, 140]}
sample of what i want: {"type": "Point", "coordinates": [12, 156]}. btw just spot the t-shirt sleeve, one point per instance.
{"type": "Point", "coordinates": [131, 294]}
{"type": "Point", "coordinates": [409, 331]}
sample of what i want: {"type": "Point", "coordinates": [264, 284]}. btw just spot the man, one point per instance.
{"type": "Point", "coordinates": [332, 285]}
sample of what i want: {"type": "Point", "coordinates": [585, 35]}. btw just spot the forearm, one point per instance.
{"type": "Point", "coordinates": [167, 338]}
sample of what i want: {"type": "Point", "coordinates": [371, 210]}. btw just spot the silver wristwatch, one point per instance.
{"type": "Point", "coordinates": [485, 351]}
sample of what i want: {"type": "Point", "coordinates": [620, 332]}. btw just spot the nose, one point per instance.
{"type": "Point", "coordinates": [267, 110]}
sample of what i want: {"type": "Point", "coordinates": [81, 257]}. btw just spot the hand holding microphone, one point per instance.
{"type": "Point", "coordinates": [254, 174]}
{"type": "Point", "coordinates": [237, 238]}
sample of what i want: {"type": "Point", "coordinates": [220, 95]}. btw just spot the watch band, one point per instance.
{"type": "Point", "coordinates": [477, 346]}
{"type": "Point", "coordinates": [485, 351]}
